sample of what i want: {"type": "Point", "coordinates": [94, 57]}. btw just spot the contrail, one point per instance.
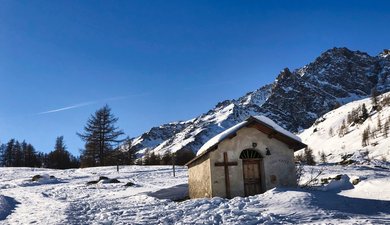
{"type": "Point", "coordinates": [117, 98]}
{"type": "Point", "coordinates": [68, 107]}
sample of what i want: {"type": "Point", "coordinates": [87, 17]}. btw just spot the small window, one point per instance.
{"type": "Point", "coordinates": [250, 154]}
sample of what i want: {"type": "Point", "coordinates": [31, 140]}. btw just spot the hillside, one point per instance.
{"type": "Point", "coordinates": [67, 199]}
{"type": "Point", "coordinates": [294, 100]}
{"type": "Point", "coordinates": [328, 134]}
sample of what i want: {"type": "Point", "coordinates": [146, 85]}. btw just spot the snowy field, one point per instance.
{"type": "Point", "coordinates": [67, 199]}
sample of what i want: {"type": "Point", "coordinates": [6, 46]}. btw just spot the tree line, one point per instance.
{"type": "Point", "coordinates": [23, 154]}
{"type": "Point", "coordinates": [180, 158]}
{"type": "Point", "coordinates": [361, 114]}
{"type": "Point", "coordinates": [104, 146]}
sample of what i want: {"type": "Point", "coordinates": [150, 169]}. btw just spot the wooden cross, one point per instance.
{"type": "Point", "coordinates": [226, 164]}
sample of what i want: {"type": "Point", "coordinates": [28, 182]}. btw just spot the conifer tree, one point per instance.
{"type": "Point", "coordinates": [379, 123]}
{"type": "Point", "coordinates": [343, 129]}
{"type": "Point", "coordinates": [23, 148]}
{"type": "Point", "coordinates": [42, 159]}
{"type": "Point", "coordinates": [308, 156]}
{"type": "Point", "coordinates": [18, 154]}
{"type": "Point", "coordinates": [146, 158]}
{"type": "Point", "coordinates": [372, 133]}
{"type": "Point", "coordinates": [364, 113]}
{"type": "Point", "coordinates": [366, 137]}
{"type": "Point", "coordinates": [154, 159]}
{"type": "Point", "coordinates": [386, 129]}
{"type": "Point", "coordinates": [100, 136]}
{"type": "Point", "coordinates": [166, 159]}
{"type": "Point", "coordinates": [30, 158]}
{"type": "Point", "coordinates": [2, 154]}
{"type": "Point", "coordinates": [330, 132]}
{"type": "Point", "coordinates": [60, 158]}
{"type": "Point", "coordinates": [9, 153]}
{"type": "Point", "coordinates": [323, 157]}
{"type": "Point", "coordinates": [374, 98]}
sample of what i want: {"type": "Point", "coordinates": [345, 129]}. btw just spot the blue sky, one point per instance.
{"type": "Point", "coordinates": [155, 62]}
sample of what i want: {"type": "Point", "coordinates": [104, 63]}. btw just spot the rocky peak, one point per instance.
{"type": "Point", "coordinates": [223, 104]}
{"type": "Point", "coordinates": [385, 53]}
{"type": "Point", "coordinates": [284, 74]}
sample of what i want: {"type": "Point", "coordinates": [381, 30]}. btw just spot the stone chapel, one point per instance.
{"type": "Point", "coordinates": [246, 159]}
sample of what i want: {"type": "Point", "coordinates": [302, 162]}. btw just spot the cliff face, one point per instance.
{"type": "Point", "coordinates": [295, 100]}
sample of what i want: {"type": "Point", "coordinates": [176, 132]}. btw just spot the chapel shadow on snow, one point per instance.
{"type": "Point", "coordinates": [175, 193]}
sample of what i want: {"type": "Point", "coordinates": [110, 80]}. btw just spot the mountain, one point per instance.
{"type": "Point", "coordinates": [294, 100]}
{"type": "Point", "coordinates": [340, 136]}
{"type": "Point", "coordinates": [192, 134]}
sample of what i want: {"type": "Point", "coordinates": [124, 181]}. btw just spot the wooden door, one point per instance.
{"type": "Point", "coordinates": [252, 177]}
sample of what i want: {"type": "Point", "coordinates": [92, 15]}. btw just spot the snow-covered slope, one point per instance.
{"type": "Point", "coordinates": [294, 101]}
{"type": "Point", "coordinates": [69, 200]}
{"type": "Point", "coordinates": [327, 134]}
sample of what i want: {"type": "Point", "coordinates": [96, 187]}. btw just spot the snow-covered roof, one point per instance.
{"type": "Point", "coordinates": [276, 127]}
{"type": "Point", "coordinates": [219, 137]}
{"type": "Point", "coordinates": [262, 120]}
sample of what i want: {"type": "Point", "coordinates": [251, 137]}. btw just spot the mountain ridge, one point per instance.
{"type": "Point", "coordinates": [294, 100]}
